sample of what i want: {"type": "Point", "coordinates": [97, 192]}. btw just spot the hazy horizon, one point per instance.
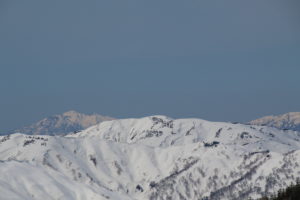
{"type": "Point", "coordinates": [215, 60]}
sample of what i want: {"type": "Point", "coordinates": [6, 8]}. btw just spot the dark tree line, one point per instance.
{"type": "Point", "coordinates": [290, 193]}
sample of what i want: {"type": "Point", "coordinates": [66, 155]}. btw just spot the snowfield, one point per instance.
{"type": "Point", "coordinates": [150, 158]}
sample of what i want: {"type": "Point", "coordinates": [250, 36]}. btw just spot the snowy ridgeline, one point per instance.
{"type": "Point", "coordinates": [150, 158]}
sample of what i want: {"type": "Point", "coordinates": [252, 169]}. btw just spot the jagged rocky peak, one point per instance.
{"type": "Point", "coordinates": [62, 124]}
{"type": "Point", "coordinates": [285, 121]}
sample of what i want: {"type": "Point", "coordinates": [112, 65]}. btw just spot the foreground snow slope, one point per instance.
{"type": "Point", "coordinates": [150, 158]}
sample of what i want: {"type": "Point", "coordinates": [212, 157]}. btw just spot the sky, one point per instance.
{"type": "Point", "coordinates": [218, 60]}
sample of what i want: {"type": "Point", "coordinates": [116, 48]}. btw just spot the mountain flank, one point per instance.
{"type": "Point", "coordinates": [151, 158]}
{"type": "Point", "coordinates": [288, 121]}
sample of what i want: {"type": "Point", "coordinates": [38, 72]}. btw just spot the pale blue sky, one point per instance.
{"type": "Point", "coordinates": [230, 60]}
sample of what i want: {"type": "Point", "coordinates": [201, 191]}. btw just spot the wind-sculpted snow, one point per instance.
{"type": "Point", "coordinates": [150, 158]}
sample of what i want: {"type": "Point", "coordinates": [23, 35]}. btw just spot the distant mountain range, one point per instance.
{"type": "Point", "coordinates": [62, 124]}
{"type": "Point", "coordinates": [73, 121]}
{"type": "Point", "coordinates": [290, 121]}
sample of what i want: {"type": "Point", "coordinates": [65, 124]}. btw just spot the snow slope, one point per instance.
{"type": "Point", "coordinates": [150, 158]}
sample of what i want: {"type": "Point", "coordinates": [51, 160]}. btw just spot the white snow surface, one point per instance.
{"type": "Point", "coordinates": [152, 158]}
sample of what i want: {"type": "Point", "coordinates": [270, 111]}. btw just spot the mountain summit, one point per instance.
{"type": "Point", "coordinates": [62, 124]}
{"type": "Point", "coordinates": [151, 158]}
{"type": "Point", "coordinates": [286, 121]}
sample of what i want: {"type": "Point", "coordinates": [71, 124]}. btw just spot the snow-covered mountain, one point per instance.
{"type": "Point", "coordinates": [155, 158]}
{"type": "Point", "coordinates": [286, 121]}
{"type": "Point", "coordinates": [62, 124]}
